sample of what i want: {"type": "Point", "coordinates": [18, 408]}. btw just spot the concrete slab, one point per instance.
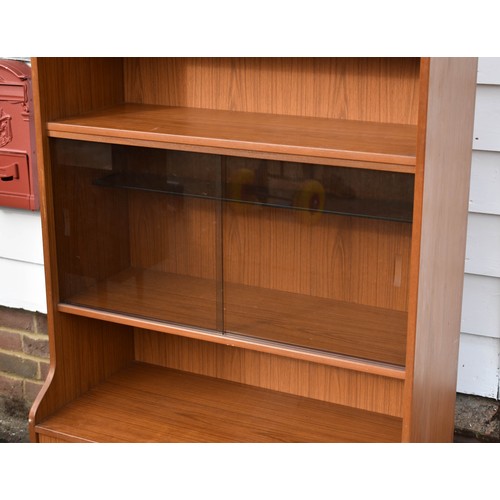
{"type": "Point", "coordinates": [477, 417]}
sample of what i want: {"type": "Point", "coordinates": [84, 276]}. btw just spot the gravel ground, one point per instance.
{"type": "Point", "coordinates": [478, 418]}
{"type": "Point", "coordinates": [13, 421]}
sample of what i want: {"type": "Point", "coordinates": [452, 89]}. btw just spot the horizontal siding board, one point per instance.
{"type": "Point", "coordinates": [21, 235]}
{"type": "Point", "coordinates": [487, 118]}
{"type": "Point", "coordinates": [482, 254]}
{"type": "Point", "coordinates": [479, 356]}
{"type": "Point", "coordinates": [485, 183]}
{"type": "Point", "coordinates": [478, 366]}
{"type": "Point", "coordinates": [22, 285]}
{"type": "Point", "coordinates": [481, 306]}
{"type": "Point", "coordinates": [488, 70]}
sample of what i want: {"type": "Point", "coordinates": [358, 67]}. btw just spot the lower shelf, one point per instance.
{"type": "Point", "coordinates": [147, 403]}
{"type": "Point", "coordinates": [328, 325]}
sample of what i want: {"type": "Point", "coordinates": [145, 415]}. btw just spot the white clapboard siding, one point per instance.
{"type": "Point", "coordinates": [21, 235]}
{"type": "Point", "coordinates": [488, 70]}
{"type": "Point", "coordinates": [479, 366]}
{"type": "Point", "coordinates": [485, 182]}
{"type": "Point", "coordinates": [22, 280]}
{"type": "Point", "coordinates": [487, 118]}
{"type": "Point", "coordinates": [483, 245]}
{"type": "Point", "coordinates": [479, 360]}
{"type": "Point", "coordinates": [22, 285]}
{"type": "Point", "coordinates": [481, 306]}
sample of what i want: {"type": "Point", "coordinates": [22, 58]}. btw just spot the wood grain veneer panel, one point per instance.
{"type": "Point", "coordinates": [180, 234]}
{"type": "Point", "coordinates": [74, 85]}
{"type": "Point", "coordinates": [293, 376]}
{"type": "Point", "coordinates": [309, 321]}
{"type": "Point", "coordinates": [368, 89]}
{"type": "Point", "coordinates": [441, 194]}
{"type": "Point", "coordinates": [350, 259]}
{"type": "Point", "coordinates": [61, 87]}
{"type": "Point", "coordinates": [42, 438]}
{"type": "Point", "coordinates": [83, 354]}
{"type": "Point", "coordinates": [184, 300]}
{"type": "Point", "coordinates": [229, 131]}
{"type": "Point", "coordinates": [144, 403]}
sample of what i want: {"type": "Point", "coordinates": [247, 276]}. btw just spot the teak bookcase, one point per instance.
{"type": "Point", "coordinates": [252, 249]}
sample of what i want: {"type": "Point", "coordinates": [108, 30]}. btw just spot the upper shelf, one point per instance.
{"type": "Point", "coordinates": [380, 146]}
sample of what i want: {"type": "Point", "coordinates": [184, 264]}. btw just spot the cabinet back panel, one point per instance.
{"type": "Point", "coordinates": [74, 85]}
{"type": "Point", "coordinates": [362, 261]}
{"type": "Point", "coordinates": [302, 378]}
{"type": "Point", "coordinates": [369, 89]}
{"type": "Point", "coordinates": [346, 258]}
{"type": "Point", "coordinates": [175, 234]}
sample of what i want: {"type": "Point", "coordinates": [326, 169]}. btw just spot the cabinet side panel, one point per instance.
{"type": "Point", "coordinates": [302, 378]}
{"type": "Point", "coordinates": [371, 89]}
{"type": "Point", "coordinates": [434, 336]}
{"type": "Point", "coordinates": [85, 352]}
{"type": "Point", "coordinates": [63, 87]}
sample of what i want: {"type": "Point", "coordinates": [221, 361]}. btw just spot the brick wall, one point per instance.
{"type": "Point", "coordinates": [24, 353]}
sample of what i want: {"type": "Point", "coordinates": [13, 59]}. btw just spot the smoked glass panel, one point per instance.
{"type": "Point", "coordinates": [137, 231]}
{"type": "Point", "coordinates": [317, 256]}
{"type": "Point", "coordinates": [310, 256]}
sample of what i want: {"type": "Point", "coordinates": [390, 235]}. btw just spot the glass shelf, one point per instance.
{"type": "Point", "coordinates": [309, 195]}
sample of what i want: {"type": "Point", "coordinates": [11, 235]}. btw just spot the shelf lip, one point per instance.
{"type": "Point", "coordinates": [241, 341]}
{"type": "Point", "coordinates": [220, 130]}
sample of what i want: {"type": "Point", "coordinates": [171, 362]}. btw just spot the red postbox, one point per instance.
{"type": "Point", "coordinates": [18, 173]}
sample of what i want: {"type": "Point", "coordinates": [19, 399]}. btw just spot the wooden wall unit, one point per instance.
{"type": "Point", "coordinates": [252, 249]}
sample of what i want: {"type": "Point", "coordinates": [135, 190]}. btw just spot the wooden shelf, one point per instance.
{"type": "Point", "coordinates": [353, 330]}
{"type": "Point", "coordinates": [329, 325]}
{"type": "Point", "coordinates": [146, 403]}
{"type": "Point", "coordinates": [182, 300]}
{"type": "Point", "coordinates": [382, 146]}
